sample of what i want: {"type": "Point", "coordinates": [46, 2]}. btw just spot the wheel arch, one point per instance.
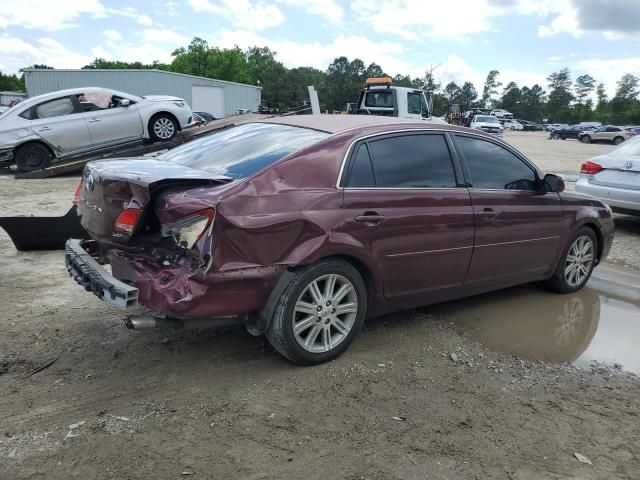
{"type": "Point", "coordinates": [51, 150]}
{"type": "Point", "coordinates": [163, 112]}
{"type": "Point", "coordinates": [598, 233]}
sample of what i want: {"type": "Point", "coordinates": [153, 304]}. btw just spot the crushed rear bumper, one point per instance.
{"type": "Point", "coordinates": [86, 271]}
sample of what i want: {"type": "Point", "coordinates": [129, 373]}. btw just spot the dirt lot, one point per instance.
{"type": "Point", "coordinates": [416, 396]}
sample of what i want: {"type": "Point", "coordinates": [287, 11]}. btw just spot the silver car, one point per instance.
{"type": "Point", "coordinates": [82, 120]}
{"type": "Point", "coordinates": [614, 177]}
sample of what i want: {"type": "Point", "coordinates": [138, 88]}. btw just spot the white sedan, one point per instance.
{"type": "Point", "coordinates": [82, 120]}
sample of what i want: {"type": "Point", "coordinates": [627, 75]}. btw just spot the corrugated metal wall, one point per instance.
{"type": "Point", "coordinates": [141, 82]}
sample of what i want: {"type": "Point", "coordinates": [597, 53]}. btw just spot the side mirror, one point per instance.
{"type": "Point", "coordinates": [125, 102]}
{"type": "Point", "coordinates": [553, 183]}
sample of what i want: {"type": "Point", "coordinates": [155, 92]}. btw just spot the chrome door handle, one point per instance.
{"type": "Point", "coordinates": [44, 129]}
{"type": "Point", "coordinates": [93, 120]}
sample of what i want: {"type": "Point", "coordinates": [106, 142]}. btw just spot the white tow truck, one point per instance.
{"type": "Point", "coordinates": [381, 97]}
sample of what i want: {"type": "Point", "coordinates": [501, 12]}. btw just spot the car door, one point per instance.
{"type": "Point", "coordinates": [518, 224]}
{"type": "Point", "coordinates": [58, 122]}
{"type": "Point", "coordinates": [110, 122]}
{"type": "Point", "coordinates": [405, 203]}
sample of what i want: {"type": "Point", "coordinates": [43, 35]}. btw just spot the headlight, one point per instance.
{"type": "Point", "coordinates": [187, 231]}
{"type": "Point", "coordinates": [180, 104]}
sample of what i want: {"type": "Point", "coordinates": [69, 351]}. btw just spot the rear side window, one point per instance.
{"type": "Point", "coordinates": [412, 161]}
{"type": "Point", "coordinates": [361, 173]}
{"type": "Point", "coordinates": [494, 167]}
{"type": "Point", "coordinates": [55, 108]}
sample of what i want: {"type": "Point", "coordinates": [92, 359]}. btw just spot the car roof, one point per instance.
{"type": "Point", "coordinates": [340, 123]}
{"type": "Point", "coordinates": [63, 93]}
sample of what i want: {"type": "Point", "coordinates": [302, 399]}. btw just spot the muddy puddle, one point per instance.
{"type": "Point", "coordinates": [600, 323]}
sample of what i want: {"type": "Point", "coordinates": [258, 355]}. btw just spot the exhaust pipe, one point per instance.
{"type": "Point", "coordinates": [148, 321]}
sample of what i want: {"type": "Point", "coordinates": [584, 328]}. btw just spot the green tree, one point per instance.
{"type": "Point", "coordinates": [490, 88]}
{"type": "Point", "coordinates": [512, 99]}
{"type": "Point", "coordinates": [585, 84]}
{"type": "Point", "coordinates": [624, 107]}
{"type": "Point", "coordinates": [468, 94]}
{"type": "Point", "coordinates": [453, 93]}
{"type": "Point", "coordinates": [560, 97]}
{"type": "Point", "coordinates": [533, 103]}
{"type": "Point", "coordinates": [11, 83]}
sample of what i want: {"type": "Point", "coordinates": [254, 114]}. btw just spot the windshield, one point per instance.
{"type": "Point", "coordinates": [486, 119]}
{"type": "Point", "coordinates": [630, 148]}
{"type": "Point", "coordinates": [243, 150]}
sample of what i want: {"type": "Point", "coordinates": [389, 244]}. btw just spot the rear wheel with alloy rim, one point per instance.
{"type": "Point", "coordinates": [618, 140]}
{"type": "Point", "coordinates": [319, 313]}
{"type": "Point", "coordinates": [577, 263]}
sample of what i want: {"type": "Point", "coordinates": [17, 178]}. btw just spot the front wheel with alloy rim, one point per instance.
{"type": "Point", "coordinates": [577, 263]}
{"type": "Point", "coordinates": [585, 139]}
{"type": "Point", "coordinates": [618, 140]}
{"type": "Point", "coordinates": [319, 313]}
{"type": "Point", "coordinates": [162, 127]}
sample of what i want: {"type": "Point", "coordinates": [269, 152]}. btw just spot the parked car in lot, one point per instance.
{"type": "Point", "coordinates": [487, 123]}
{"type": "Point", "coordinates": [501, 113]}
{"type": "Point", "coordinates": [205, 116]}
{"type": "Point", "coordinates": [608, 133]}
{"type": "Point", "coordinates": [572, 131]}
{"type": "Point", "coordinates": [81, 120]}
{"type": "Point", "coordinates": [512, 125]}
{"type": "Point", "coordinates": [530, 126]}
{"type": "Point", "coordinates": [303, 226]}
{"type": "Point", "coordinates": [614, 177]}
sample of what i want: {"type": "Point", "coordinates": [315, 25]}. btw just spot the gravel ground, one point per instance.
{"type": "Point", "coordinates": [82, 397]}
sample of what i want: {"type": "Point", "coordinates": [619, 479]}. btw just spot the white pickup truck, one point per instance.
{"type": "Point", "coordinates": [381, 97]}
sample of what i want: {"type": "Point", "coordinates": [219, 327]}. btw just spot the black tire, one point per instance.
{"type": "Point", "coordinates": [618, 140]}
{"type": "Point", "coordinates": [585, 139]}
{"type": "Point", "coordinates": [563, 138]}
{"type": "Point", "coordinates": [558, 282]}
{"type": "Point", "coordinates": [32, 156]}
{"type": "Point", "coordinates": [281, 330]}
{"type": "Point", "coordinates": [555, 136]}
{"type": "Point", "coordinates": [163, 127]}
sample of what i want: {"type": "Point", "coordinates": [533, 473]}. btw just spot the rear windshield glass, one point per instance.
{"type": "Point", "coordinates": [486, 119]}
{"type": "Point", "coordinates": [379, 99]}
{"type": "Point", "coordinates": [630, 148]}
{"type": "Point", "coordinates": [243, 150]}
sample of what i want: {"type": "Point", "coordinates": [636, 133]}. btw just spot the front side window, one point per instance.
{"type": "Point", "coordinates": [412, 161]}
{"type": "Point", "coordinates": [243, 150]}
{"type": "Point", "coordinates": [413, 103]}
{"type": "Point", "coordinates": [494, 167]}
{"type": "Point", "coordinates": [55, 108]}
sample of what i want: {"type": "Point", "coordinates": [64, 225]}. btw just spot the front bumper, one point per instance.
{"type": "Point", "coordinates": [86, 271]}
{"type": "Point", "coordinates": [6, 155]}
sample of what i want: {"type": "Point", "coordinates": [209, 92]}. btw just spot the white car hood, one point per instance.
{"type": "Point", "coordinates": [162, 98]}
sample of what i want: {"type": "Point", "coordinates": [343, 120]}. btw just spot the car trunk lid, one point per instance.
{"type": "Point", "coordinates": [110, 187]}
{"type": "Point", "coordinates": [623, 172]}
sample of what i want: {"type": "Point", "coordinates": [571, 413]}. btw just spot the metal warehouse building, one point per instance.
{"type": "Point", "coordinates": [218, 97]}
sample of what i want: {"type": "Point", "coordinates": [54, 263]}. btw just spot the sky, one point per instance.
{"type": "Point", "coordinates": [463, 39]}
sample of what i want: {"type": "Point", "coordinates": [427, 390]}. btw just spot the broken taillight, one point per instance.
{"type": "Point", "coordinates": [188, 230]}
{"type": "Point", "coordinates": [127, 220]}
{"type": "Point", "coordinates": [76, 195]}
{"type": "Point", "coordinates": [590, 168]}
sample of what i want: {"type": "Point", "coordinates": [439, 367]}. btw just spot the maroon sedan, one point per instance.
{"type": "Point", "coordinates": [302, 227]}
